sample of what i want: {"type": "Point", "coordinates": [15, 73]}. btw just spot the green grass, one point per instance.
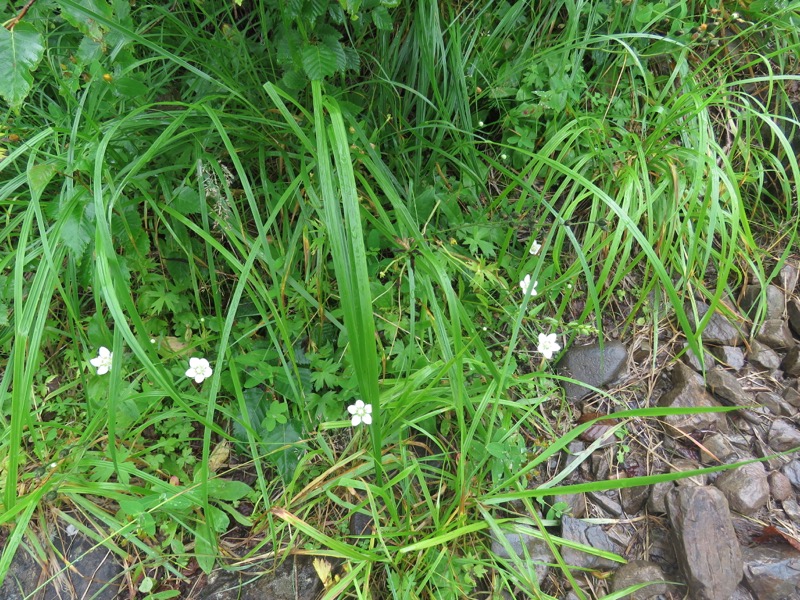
{"type": "Point", "coordinates": [362, 237]}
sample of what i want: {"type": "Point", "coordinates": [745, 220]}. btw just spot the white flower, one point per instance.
{"type": "Point", "coordinates": [362, 413]}
{"type": "Point", "coordinates": [504, 156]}
{"type": "Point", "coordinates": [199, 369]}
{"type": "Point", "coordinates": [535, 248]}
{"type": "Point", "coordinates": [528, 286]}
{"type": "Point", "coordinates": [548, 345]}
{"type": "Point", "coordinates": [480, 123]}
{"type": "Point", "coordinates": [103, 360]}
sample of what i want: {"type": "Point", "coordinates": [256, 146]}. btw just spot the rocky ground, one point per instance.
{"type": "Point", "coordinates": [732, 534]}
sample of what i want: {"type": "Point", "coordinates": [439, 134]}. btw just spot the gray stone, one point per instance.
{"type": "Point", "coordinates": [719, 331]}
{"type": "Point", "coordinates": [607, 502]}
{"type": "Point", "coordinates": [633, 498]}
{"type": "Point", "coordinates": [775, 301]}
{"type": "Point", "coordinates": [788, 277]}
{"type": "Point", "coordinates": [793, 310]}
{"type": "Point", "coordinates": [717, 448]}
{"type": "Point", "coordinates": [731, 356]}
{"type": "Point", "coordinates": [22, 577]}
{"type": "Point", "coordinates": [360, 524]}
{"type": "Point", "coordinates": [772, 572]}
{"type": "Point", "coordinates": [779, 486]}
{"type": "Point", "coordinates": [684, 464]}
{"type": "Point", "coordinates": [294, 579]}
{"type": "Point", "coordinates": [783, 436]}
{"type": "Point", "coordinates": [706, 546]}
{"type": "Point", "coordinates": [792, 397]}
{"type": "Point", "coordinates": [791, 362]}
{"type": "Point", "coordinates": [792, 471]}
{"type": "Point", "coordinates": [775, 334]}
{"type": "Point", "coordinates": [688, 392]}
{"type": "Point", "coordinates": [657, 501]}
{"type": "Point", "coordinates": [724, 384]}
{"type": "Point", "coordinates": [636, 572]}
{"type": "Point", "coordinates": [526, 547]}
{"type": "Point", "coordinates": [745, 488]}
{"type": "Point", "coordinates": [792, 510]}
{"type": "Point", "coordinates": [576, 503]}
{"type": "Point", "coordinates": [594, 536]}
{"type": "Point", "coordinates": [593, 365]}
{"type": "Point", "coordinates": [775, 403]}
{"type": "Point", "coordinates": [742, 593]}
{"type": "Point", "coordinates": [763, 356]}
{"type": "Point", "coordinates": [691, 359]}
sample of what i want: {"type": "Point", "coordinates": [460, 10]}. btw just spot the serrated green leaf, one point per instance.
{"type": "Point", "coordinates": [338, 50]}
{"type": "Point", "coordinates": [382, 18]}
{"type": "Point", "coordinates": [83, 21]}
{"type": "Point", "coordinates": [21, 49]}
{"type": "Point", "coordinates": [319, 61]}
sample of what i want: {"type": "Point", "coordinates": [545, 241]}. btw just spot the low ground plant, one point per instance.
{"type": "Point", "coordinates": [266, 266]}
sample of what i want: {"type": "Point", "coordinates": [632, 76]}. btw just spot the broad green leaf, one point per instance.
{"type": "Point", "coordinates": [381, 18]}
{"type": "Point", "coordinates": [83, 21]}
{"type": "Point", "coordinates": [39, 176]}
{"type": "Point", "coordinates": [204, 547]}
{"type": "Point", "coordinates": [226, 489]}
{"type": "Point", "coordinates": [319, 62]}
{"type": "Point", "coordinates": [21, 50]}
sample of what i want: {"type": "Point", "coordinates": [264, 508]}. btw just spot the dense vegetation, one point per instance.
{"type": "Point", "coordinates": [334, 202]}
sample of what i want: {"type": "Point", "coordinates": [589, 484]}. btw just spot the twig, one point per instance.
{"type": "Point", "coordinates": [13, 22]}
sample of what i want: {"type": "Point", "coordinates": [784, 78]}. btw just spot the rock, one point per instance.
{"type": "Point", "coordinates": [792, 510]}
{"type": "Point", "coordinates": [607, 502]}
{"type": "Point", "coordinates": [724, 384]}
{"type": "Point", "coordinates": [783, 436]}
{"type": "Point", "coordinates": [793, 309]}
{"type": "Point", "coordinates": [763, 356]}
{"type": "Point", "coordinates": [688, 391]}
{"type": "Point", "coordinates": [526, 547]}
{"type": "Point", "coordinates": [657, 501]}
{"type": "Point", "coordinates": [792, 472]}
{"type": "Point", "coordinates": [708, 551]}
{"type": "Point", "coordinates": [772, 572]}
{"type": "Point", "coordinates": [576, 530]}
{"type": "Point", "coordinates": [294, 579]}
{"type": "Point", "coordinates": [600, 466]}
{"type": "Point", "coordinates": [788, 277]}
{"type": "Point", "coordinates": [360, 524]}
{"type": "Point", "coordinates": [691, 359]}
{"type": "Point", "coordinates": [731, 356]}
{"type": "Point", "coordinates": [717, 448]}
{"type": "Point", "coordinates": [779, 486]}
{"type": "Point", "coordinates": [719, 331]}
{"type": "Point", "coordinates": [576, 503]}
{"type": "Point", "coordinates": [22, 577]}
{"type": "Point", "coordinates": [633, 498]}
{"type": "Point", "coordinates": [684, 464]}
{"type": "Point", "coordinates": [775, 404]}
{"type": "Point", "coordinates": [775, 334]}
{"type": "Point", "coordinates": [792, 396]}
{"type": "Point", "coordinates": [742, 593]}
{"type": "Point", "coordinates": [745, 488]}
{"type": "Point", "coordinates": [791, 362]}
{"type": "Point", "coordinates": [636, 572]}
{"type": "Point", "coordinates": [593, 365]}
{"type": "Point", "coordinates": [775, 301]}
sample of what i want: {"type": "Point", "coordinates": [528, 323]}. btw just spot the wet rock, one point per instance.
{"type": "Point", "coordinates": [594, 536]}
{"type": "Point", "coordinates": [657, 501]}
{"type": "Point", "coordinates": [593, 365]}
{"type": "Point", "coordinates": [294, 579]}
{"type": "Point", "coordinates": [690, 359]}
{"type": "Point", "coordinates": [731, 356]}
{"type": "Point", "coordinates": [745, 488]}
{"type": "Point", "coordinates": [724, 384]}
{"type": "Point", "coordinates": [360, 524]}
{"type": "Point", "coordinates": [775, 404]}
{"type": "Point", "coordinates": [793, 310]}
{"type": "Point", "coordinates": [783, 436]}
{"type": "Point", "coordinates": [688, 391]}
{"type": "Point", "coordinates": [788, 277]}
{"type": "Point", "coordinates": [708, 551]}
{"type": "Point", "coordinates": [763, 356]}
{"type": "Point", "coordinates": [791, 363]}
{"type": "Point", "coordinates": [775, 334]}
{"type": "Point", "coordinates": [792, 472]}
{"type": "Point", "coordinates": [717, 448]}
{"type": "Point", "coordinates": [640, 571]}
{"type": "Point", "coordinates": [22, 577]}
{"type": "Point", "coordinates": [719, 331]}
{"type": "Point", "coordinates": [524, 546]}
{"type": "Point", "coordinates": [575, 502]}
{"type": "Point", "coordinates": [779, 486]}
{"type": "Point", "coordinates": [772, 572]}
{"type": "Point", "coordinates": [775, 301]}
